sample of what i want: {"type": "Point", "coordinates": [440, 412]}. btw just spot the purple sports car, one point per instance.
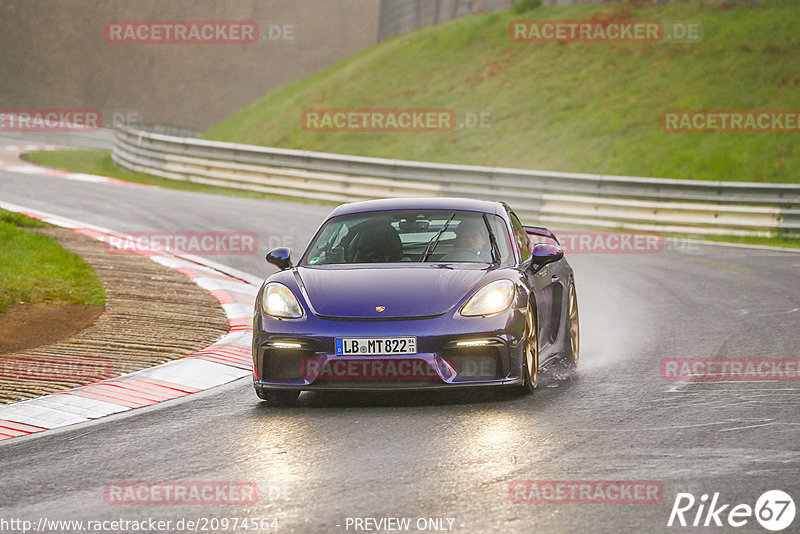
{"type": "Point", "coordinates": [413, 294]}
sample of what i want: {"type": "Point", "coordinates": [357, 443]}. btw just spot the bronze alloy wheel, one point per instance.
{"type": "Point", "coordinates": [531, 354]}
{"type": "Point", "coordinates": [573, 326]}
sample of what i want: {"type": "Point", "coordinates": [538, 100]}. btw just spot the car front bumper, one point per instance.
{"type": "Point", "coordinates": [452, 351]}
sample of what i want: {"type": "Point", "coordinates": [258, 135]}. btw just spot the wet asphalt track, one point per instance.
{"type": "Point", "coordinates": [450, 455]}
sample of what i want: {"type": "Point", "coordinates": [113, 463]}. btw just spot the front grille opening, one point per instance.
{"type": "Point", "coordinates": [477, 363]}
{"type": "Point", "coordinates": [377, 370]}
{"type": "Point", "coordinates": [283, 363]}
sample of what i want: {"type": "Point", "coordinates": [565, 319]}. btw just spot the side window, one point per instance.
{"type": "Point", "coordinates": [520, 237]}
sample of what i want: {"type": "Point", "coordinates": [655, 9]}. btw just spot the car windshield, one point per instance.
{"type": "Point", "coordinates": [431, 236]}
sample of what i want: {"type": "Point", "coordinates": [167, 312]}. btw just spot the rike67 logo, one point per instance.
{"type": "Point", "coordinates": [774, 510]}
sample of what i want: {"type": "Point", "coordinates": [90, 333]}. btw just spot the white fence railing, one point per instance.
{"type": "Point", "coordinates": [549, 198]}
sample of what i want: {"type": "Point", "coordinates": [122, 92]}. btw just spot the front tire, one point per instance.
{"type": "Point", "coordinates": [573, 349]}
{"type": "Point", "coordinates": [531, 363]}
{"type": "Point", "coordinates": [278, 397]}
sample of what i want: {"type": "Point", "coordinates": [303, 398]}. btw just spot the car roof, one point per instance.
{"type": "Point", "coordinates": [443, 203]}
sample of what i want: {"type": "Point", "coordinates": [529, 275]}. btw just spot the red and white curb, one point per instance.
{"type": "Point", "coordinates": [21, 167]}
{"type": "Point", "coordinates": [28, 148]}
{"type": "Point", "coordinates": [28, 168]}
{"type": "Point", "coordinates": [227, 359]}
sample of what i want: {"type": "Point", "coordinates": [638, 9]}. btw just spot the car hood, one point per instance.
{"type": "Point", "coordinates": [407, 291]}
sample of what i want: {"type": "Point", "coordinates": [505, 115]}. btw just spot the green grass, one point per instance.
{"type": "Point", "coordinates": [780, 242]}
{"type": "Point", "coordinates": [34, 268]}
{"type": "Point", "coordinates": [19, 220]}
{"type": "Point", "coordinates": [98, 162]}
{"type": "Point", "coordinates": [580, 107]}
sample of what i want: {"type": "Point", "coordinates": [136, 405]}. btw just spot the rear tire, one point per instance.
{"type": "Point", "coordinates": [531, 363]}
{"type": "Point", "coordinates": [278, 397]}
{"type": "Point", "coordinates": [573, 349]}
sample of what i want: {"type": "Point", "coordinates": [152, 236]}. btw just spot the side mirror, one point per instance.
{"type": "Point", "coordinates": [280, 258]}
{"type": "Point", "coordinates": [543, 254]}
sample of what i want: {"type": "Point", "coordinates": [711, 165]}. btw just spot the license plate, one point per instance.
{"type": "Point", "coordinates": [378, 346]}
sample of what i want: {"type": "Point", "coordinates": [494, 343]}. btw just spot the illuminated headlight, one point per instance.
{"type": "Point", "coordinates": [279, 301]}
{"type": "Point", "coordinates": [491, 298]}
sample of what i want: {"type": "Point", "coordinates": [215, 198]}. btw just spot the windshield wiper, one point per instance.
{"type": "Point", "coordinates": [493, 241]}
{"type": "Point", "coordinates": [435, 240]}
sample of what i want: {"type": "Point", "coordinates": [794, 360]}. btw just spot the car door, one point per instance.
{"type": "Point", "coordinates": [544, 283]}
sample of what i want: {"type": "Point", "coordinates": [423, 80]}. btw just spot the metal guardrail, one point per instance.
{"type": "Point", "coordinates": [554, 198]}
{"type": "Point", "coordinates": [402, 16]}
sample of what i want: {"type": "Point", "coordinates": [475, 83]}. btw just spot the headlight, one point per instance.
{"type": "Point", "coordinates": [491, 298]}
{"type": "Point", "coordinates": [279, 301]}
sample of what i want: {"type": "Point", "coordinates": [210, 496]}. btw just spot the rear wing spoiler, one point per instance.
{"type": "Point", "coordinates": [542, 232]}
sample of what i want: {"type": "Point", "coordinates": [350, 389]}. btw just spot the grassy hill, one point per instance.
{"type": "Point", "coordinates": [584, 107]}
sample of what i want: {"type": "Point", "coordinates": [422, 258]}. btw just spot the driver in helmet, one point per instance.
{"type": "Point", "coordinates": [471, 242]}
